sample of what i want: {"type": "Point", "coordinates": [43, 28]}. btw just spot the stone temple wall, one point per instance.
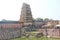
{"type": "Point", "coordinates": [9, 30]}
{"type": "Point", "coordinates": [9, 33]}
{"type": "Point", "coordinates": [51, 32]}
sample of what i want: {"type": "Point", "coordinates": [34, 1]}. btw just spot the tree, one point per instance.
{"type": "Point", "coordinates": [46, 19]}
{"type": "Point", "coordinates": [39, 19]}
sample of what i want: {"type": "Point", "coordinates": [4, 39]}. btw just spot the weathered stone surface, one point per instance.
{"type": "Point", "coordinates": [26, 16]}
{"type": "Point", "coordinates": [51, 32]}
{"type": "Point", "coordinates": [7, 34]}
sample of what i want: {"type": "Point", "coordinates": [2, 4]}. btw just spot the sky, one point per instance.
{"type": "Point", "coordinates": [11, 9]}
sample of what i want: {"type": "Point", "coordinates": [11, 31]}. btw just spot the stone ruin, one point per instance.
{"type": "Point", "coordinates": [7, 34]}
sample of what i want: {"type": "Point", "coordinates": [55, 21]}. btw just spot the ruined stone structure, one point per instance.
{"type": "Point", "coordinates": [10, 29]}
{"type": "Point", "coordinates": [51, 32]}
{"type": "Point", "coordinates": [26, 16]}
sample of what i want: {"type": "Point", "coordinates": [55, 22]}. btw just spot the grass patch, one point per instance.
{"type": "Point", "coordinates": [42, 38]}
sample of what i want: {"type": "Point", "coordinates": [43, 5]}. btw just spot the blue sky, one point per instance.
{"type": "Point", "coordinates": [11, 9]}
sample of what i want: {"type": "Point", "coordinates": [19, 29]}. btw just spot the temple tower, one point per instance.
{"type": "Point", "coordinates": [26, 15]}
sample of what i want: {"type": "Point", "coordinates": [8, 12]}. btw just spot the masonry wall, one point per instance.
{"type": "Point", "coordinates": [11, 25]}
{"type": "Point", "coordinates": [8, 31]}
{"type": "Point", "coordinates": [8, 34]}
{"type": "Point", "coordinates": [51, 32]}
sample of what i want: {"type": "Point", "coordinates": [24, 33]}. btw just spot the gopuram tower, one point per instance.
{"type": "Point", "coordinates": [26, 15]}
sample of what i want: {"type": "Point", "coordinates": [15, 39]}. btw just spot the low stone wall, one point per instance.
{"type": "Point", "coordinates": [51, 32]}
{"type": "Point", "coordinates": [9, 33]}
